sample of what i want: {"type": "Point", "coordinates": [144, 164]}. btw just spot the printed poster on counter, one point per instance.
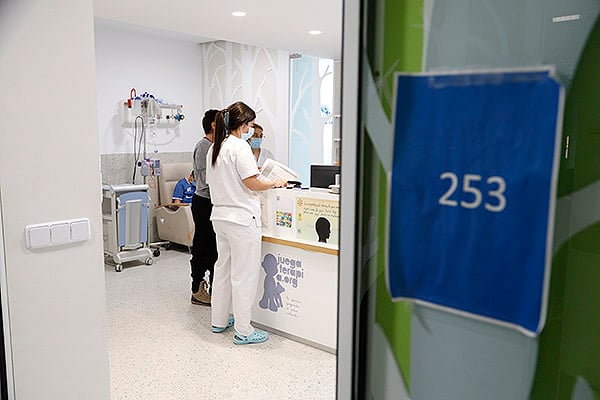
{"type": "Point", "coordinates": [470, 225]}
{"type": "Point", "coordinates": [297, 293]}
{"type": "Point", "coordinates": [317, 220]}
{"type": "Point", "coordinates": [284, 216]}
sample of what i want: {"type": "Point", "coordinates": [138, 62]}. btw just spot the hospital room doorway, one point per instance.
{"type": "Point", "coordinates": [150, 318]}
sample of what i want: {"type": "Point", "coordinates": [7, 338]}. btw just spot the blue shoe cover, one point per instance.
{"type": "Point", "coordinates": [218, 329]}
{"type": "Point", "coordinates": [257, 336]}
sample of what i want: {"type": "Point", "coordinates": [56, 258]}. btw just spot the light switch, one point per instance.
{"type": "Point", "coordinates": [80, 230]}
{"type": "Point", "coordinates": [60, 233]}
{"type": "Point", "coordinates": [38, 236]}
{"type": "Point", "coordinates": [57, 233]}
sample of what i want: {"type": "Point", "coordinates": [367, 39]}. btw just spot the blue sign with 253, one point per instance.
{"type": "Point", "coordinates": [472, 193]}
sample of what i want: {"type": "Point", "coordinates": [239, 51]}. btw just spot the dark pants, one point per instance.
{"type": "Point", "coordinates": [204, 245]}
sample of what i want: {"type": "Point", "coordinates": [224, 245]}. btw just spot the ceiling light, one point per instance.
{"type": "Point", "coordinates": [314, 32]}
{"type": "Point", "coordinates": [566, 18]}
{"type": "Point", "coordinates": [239, 13]}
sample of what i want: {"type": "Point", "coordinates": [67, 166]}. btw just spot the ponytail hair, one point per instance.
{"type": "Point", "coordinates": [227, 120]}
{"type": "Point", "coordinates": [221, 133]}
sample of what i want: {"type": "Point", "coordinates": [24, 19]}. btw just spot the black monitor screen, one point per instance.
{"type": "Point", "coordinates": [321, 176]}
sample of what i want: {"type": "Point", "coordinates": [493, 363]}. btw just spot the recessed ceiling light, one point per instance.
{"type": "Point", "coordinates": [315, 32]}
{"type": "Point", "coordinates": [566, 18]}
{"type": "Point", "coordinates": [239, 13]}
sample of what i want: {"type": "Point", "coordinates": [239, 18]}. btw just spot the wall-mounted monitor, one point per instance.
{"type": "Point", "coordinates": [323, 175]}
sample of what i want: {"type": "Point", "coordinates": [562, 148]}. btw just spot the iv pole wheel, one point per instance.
{"type": "Point", "coordinates": [156, 253]}
{"type": "Point", "coordinates": [149, 261]}
{"type": "Point", "coordinates": [119, 267]}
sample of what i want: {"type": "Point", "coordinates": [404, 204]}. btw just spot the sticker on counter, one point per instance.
{"type": "Point", "coordinates": [282, 274]}
{"type": "Point", "coordinates": [317, 220]}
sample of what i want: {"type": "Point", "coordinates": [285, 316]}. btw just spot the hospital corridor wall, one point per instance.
{"type": "Point", "coordinates": [49, 171]}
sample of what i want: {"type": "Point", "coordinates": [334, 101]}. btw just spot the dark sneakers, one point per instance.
{"type": "Point", "coordinates": [201, 297]}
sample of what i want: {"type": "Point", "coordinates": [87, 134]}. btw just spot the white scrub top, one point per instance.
{"type": "Point", "coordinates": [263, 155]}
{"type": "Point", "coordinates": [232, 200]}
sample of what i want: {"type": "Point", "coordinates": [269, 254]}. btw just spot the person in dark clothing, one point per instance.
{"type": "Point", "coordinates": [204, 247]}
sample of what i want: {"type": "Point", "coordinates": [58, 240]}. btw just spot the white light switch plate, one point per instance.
{"type": "Point", "coordinates": [57, 233]}
{"type": "Point", "coordinates": [60, 233]}
{"type": "Point", "coordinates": [80, 230]}
{"type": "Point", "coordinates": [38, 236]}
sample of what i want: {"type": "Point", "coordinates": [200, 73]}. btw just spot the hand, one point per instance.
{"type": "Point", "coordinates": [279, 183]}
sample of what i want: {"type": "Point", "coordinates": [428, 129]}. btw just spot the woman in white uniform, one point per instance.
{"type": "Point", "coordinates": [232, 177]}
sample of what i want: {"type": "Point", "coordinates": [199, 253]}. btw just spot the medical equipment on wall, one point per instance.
{"type": "Point", "coordinates": [125, 224]}
{"type": "Point", "coordinates": [148, 114]}
{"type": "Point", "coordinates": [149, 167]}
{"type": "Point", "coordinates": [154, 109]}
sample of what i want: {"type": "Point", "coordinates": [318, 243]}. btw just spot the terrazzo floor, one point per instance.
{"type": "Point", "coordinates": [161, 346]}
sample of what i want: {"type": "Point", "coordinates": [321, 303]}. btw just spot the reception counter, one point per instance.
{"type": "Point", "coordinates": [297, 293]}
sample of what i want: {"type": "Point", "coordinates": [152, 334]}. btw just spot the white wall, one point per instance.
{"type": "Point", "coordinates": [199, 76]}
{"type": "Point", "coordinates": [255, 75]}
{"type": "Point", "coordinates": [49, 170]}
{"type": "Point", "coordinates": [168, 68]}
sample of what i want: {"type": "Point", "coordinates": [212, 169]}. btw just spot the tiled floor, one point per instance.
{"type": "Point", "coordinates": [161, 346]}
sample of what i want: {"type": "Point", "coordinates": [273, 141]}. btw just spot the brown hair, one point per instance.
{"type": "Point", "coordinates": [228, 120]}
{"type": "Point", "coordinates": [208, 119]}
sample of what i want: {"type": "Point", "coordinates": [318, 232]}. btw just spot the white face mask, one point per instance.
{"type": "Point", "coordinates": [248, 135]}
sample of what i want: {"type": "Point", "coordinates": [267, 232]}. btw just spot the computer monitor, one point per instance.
{"type": "Point", "coordinates": [323, 175]}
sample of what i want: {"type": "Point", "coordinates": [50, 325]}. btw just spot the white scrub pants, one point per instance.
{"type": "Point", "coordinates": [236, 274]}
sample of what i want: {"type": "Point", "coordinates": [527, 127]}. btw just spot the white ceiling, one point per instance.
{"type": "Point", "coordinates": [275, 24]}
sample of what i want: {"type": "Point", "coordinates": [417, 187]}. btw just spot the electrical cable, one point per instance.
{"type": "Point", "coordinates": [136, 155]}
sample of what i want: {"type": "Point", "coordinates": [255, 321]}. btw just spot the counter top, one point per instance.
{"type": "Point", "coordinates": [303, 244]}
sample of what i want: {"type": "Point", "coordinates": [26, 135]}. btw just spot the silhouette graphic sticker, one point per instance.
{"type": "Point", "coordinates": [323, 228]}
{"type": "Point", "coordinates": [271, 298]}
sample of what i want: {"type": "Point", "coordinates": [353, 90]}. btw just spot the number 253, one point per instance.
{"type": "Point", "coordinates": [496, 192]}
